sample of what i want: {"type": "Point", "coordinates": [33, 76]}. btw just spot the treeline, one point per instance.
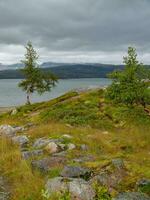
{"type": "Point", "coordinates": [69, 71]}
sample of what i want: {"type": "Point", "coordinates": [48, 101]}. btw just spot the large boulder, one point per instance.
{"type": "Point", "coordinates": [75, 172]}
{"type": "Point", "coordinates": [46, 164]}
{"type": "Point", "coordinates": [132, 196]}
{"type": "Point", "coordinates": [78, 188]}
{"type": "Point", "coordinates": [21, 140]}
{"type": "Point", "coordinates": [7, 130]}
{"type": "Point", "coordinates": [31, 154]}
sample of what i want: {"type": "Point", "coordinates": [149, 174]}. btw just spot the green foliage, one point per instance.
{"type": "Point", "coordinates": [82, 110]}
{"type": "Point", "coordinates": [145, 189]}
{"type": "Point", "coordinates": [59, 196]}
{"type": "Point", "coordinates": [130, 86]}
{"type": "Point", "coordinates": [54, 172]}
{"type": "Point", "coordinates": [35, 79]}
{"type": "Point", "coordinates": [101, 193]}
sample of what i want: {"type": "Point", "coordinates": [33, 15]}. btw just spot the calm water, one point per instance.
{"type": "Point", "coordinates": [11, 95]}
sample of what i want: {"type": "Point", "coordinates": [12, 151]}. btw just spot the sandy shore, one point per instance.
{"type": "Point", "coordinates": [6, 109]}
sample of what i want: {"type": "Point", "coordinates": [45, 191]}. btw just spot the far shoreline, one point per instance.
{"type": "Point", "coordinates": [6, 109]}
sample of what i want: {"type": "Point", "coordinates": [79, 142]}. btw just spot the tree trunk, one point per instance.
{"type": "Point", "coordinates": [28, 99]}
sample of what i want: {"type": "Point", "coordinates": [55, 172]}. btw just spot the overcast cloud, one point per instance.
{"type": "Point", "coordinates": [75, 30]}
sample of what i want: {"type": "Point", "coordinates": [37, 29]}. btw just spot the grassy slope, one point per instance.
{"type": "Point", "coordinates": [110, 131]}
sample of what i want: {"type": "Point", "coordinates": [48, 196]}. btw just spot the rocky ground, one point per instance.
{"type": "Point", "coordinates": [46, 154]}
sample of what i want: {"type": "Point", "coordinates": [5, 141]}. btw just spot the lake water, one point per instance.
{"type": "Point", "coordinates": [11, 95]}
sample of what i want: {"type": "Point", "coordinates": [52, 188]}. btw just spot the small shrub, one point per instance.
{"type": "Point", "coordinates": [101, 193]}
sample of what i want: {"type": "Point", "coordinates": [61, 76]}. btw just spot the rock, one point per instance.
{"type": "Point", "coordinates": [71, 146]}
{"type": "Point", "coordinates": [101, 179]}
{"type": "Point", "coordinates": [60, 154]}
{"type": "Point", "coordinates": [132, 196]}
{"type": "Point", "coordinates": [45, 164]}
{"type": "Point", "coordinates": [108, 179]}
{"type": "Point", "coordinates": [52, 148]}
{"type": "Point", "coordinates": [29, 154]}
{"type": "Point", "coordinates": [30, 124]}
{"type": "Point", "coordinates": [7, 130]}
{"type": "Point", "coordinates": [75, 172]}
{"type": "Point", "coordinates": [19, 129]}
{"type": "Point", "coordinates": [4, 190]}
{"type": "Point", "coordinates": [56, 184]}
{"type": "Point", "coordinates": [78, 188]}
{"type": "Point", "coordinates": [82, 159]}
{"type": "Point", "coordinates": [41, 142]}
{"type": "Point", "coordinates": [105, 132]}
{"type": "Point", "coordinates": [84, 147]}
{"type": "Point", "coordinates": [14, 111]}
{"type": "Point", "coordinates": [67, 136]}
{"type": "Point", "coordinates": [118, 163]}
{"type": "Point", "coordinates": [62, 146]}
{"type": "Point", "coordinates": [21, 140]}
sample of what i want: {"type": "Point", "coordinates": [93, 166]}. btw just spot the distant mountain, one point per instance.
{"type": "Point", "coordinates": [64, 70]}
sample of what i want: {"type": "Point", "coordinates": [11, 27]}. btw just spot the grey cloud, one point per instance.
{"type": "Point", "coordinates": [76, 26]}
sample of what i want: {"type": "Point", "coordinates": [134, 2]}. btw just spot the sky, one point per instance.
{"type": "Point", "coordinates": [98, 31]}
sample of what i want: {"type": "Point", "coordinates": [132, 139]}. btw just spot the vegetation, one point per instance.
{"type": "Point", "coordinates": [35, 79]}
{"type": "Point", "coordinates": [67, 71]}
{"type": "Point", "coordinates": [130, 86]}
{"type": "Point", "coordinates": [109, 131]}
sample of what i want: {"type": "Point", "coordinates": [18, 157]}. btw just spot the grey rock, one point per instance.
{"type": "Point", "coordinates": [41, 142]}
{"type": "Point", "coordinates": [118, 163]}
{"type": "Point", "coordinates": [108, 179]}
{"type": "Point", "coordinates": [78, 188]}
{"type": "Point", "coordinates": [21, 140]}
{"type": "Point", "coordinates": [71, 146]}
{"type": "Point", "coordinates": [14, 111]}
{"type": "Point", "coordinates": [75, 172]}
{"type": "Point", "coordinates": [51, 148]}
{"type": "Point", "coordinates": [46, 164]}
{"type": "Point", "coordinates": [61, 146]}
{"type": "Point", "coordinates": [67, 136]}
{"type": "Point", "coordinates": [101, 179]}
{"type": "Point", "coordinates": [7, 130]}
{"type": "Point", "coordinates": [83, 159]}
{"type": "Point", "coordinates": [30, 154]}
{"type": "Point", "coordinates": [132, 196]}
{"type": "Point", "coordinates": [84, 147]}
{"type": "Point", "coordinates": [19, 129]}
{"type": "Point", "coordinates": [56, 184]}
{"type": "Point", "coordinates": [60, 154]}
